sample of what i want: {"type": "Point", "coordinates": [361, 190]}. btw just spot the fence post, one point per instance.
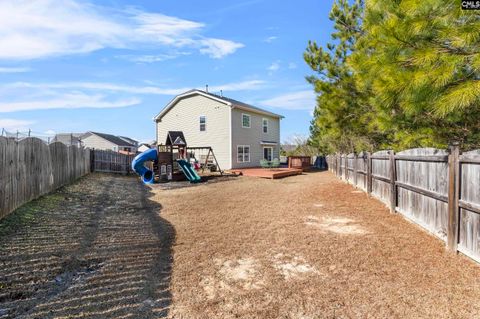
{"type": "Point", "coordinates": [369, 173]}
{"type": "Point", "coordinates": [453, 196]}
{"type": "Point", "coordinates": [92, 160]}
{"type": "Point", "coordinates": [393, 187]}
{"type": "Point", "coordinates": [336, 164]}
{"type": "Point", "coordinates": [355, 169]}
{"type": "Point", "coordinates": [337, 158]}
{"type": "Point", "coordinates": [346, 166]}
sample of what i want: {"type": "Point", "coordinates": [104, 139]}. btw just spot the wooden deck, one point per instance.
{"type": "Point", "coordinates": [271, 173]}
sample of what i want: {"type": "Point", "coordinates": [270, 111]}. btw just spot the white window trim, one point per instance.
{"type": "Point", "coordinates": [263, 152]}
{"type": "Point", "coordinates": [263, 126]}
{"type": "Point", "coordinates": [243, 156]}
{"type": "Point", "coordinates": [249, 120]}
{"type": "Point", "coordinates": [199, 123]}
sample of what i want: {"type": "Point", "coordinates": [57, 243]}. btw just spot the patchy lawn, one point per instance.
{"type": "Point", "coordinates": [306, 246]}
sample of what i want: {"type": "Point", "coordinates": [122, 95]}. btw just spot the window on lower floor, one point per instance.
{"type": "Point", "coordinates": [243, 153]}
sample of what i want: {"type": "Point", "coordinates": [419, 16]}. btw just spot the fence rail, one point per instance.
{"type": "Point", "coordinates": [437, 189]}
{"type": "Point", "coordinates": [30, 168]}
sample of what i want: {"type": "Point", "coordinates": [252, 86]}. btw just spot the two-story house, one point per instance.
{"type": "Point", "coordinates": [240, 134]}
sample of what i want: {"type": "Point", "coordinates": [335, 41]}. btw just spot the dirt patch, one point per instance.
{"type": "Point", "coordinates": [292, 267]}
{"type": "Point", "coordinates": [233, 277]}
{"type": "Point", "coordinates": [238, 270]}
{"type": "Point", "coordinates": [336, 224]}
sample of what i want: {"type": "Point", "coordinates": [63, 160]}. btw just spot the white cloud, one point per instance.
{"type": "Point", "coordinates": [13, 70]}
{"type": "Point", "coordinates": [23, 96]}
{"type": "Point", "coordinates": [14, 125]}
{"type": "Point", "coordinates": [270, 39]}
{"type": "Point", "coordinates": [165, 29]}
{"type": "Point", "coordinates": [274, 66]}
{"type": "Point", "coordinates": [152, 58]}
{"type": "Point", "coordinates": [68, 101]}
{"type": "Point", "coordinates": [102, 86]}
{"type": "Point", "coordinates": [45, 28]}
{"type": "Point", "coordinates": [218, 48]}
{"type": "Point", "coordinates": [292, 65]}
{"type": "Point", "coordinates": [50, 132]}
{"type": "Point", "coordinates": [301, 100]}
{"type": "Point", "coordinates": [95, 86]}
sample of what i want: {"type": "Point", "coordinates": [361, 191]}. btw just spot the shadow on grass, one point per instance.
{"type": "Point", "coordinates": [96, 249]}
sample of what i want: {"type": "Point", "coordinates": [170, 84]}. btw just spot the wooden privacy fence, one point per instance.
{"type": "Point", "coordinates": [30, 168]}
{"type": "Point", "coordinates": [111, 162]}
{"type": "Point", "coordinates": [437, 189]}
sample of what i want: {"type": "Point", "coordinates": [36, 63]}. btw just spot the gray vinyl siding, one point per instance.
{"type": "Point", "coordinates": [185, 116]}
{"type": "Point", "coordinates": [99, 143]}
{"type": "Point", "coordinates": [96, 142]}
{"type": "Point", "coordinates": [253, 136]}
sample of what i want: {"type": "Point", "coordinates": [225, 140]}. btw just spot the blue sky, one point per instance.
{"type": "Point", "coordinates": [110, 66]}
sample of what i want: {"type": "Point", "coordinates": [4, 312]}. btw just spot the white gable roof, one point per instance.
{"type": "Point", "coordinates": [227, 101]}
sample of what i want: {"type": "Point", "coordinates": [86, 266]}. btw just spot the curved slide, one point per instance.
{"type": "Point", "coordinates": [188, 171]}
{"type": "Point", "coordinates": [137, 165]}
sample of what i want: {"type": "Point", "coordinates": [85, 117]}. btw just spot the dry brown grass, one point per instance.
{"type": "Point", "coordinates": [307, 246]}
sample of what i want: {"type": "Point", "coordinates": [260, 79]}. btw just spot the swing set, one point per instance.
{"type": "Point", "coordinates": [175, 148]}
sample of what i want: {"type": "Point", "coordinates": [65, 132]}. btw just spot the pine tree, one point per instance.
{"type": "Point", "coordinates": [342, 117]}
{"type": "Point", "coordinates": [419, 63]}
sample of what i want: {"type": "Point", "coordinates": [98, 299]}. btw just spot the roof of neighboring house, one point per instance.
{"type": "Point", "coordinates": [228, 101]}
{"type": "Point", "coordinates": [111, 138]}
{"type": "Point", "coordinates": [175, 138]}
{"type": "Point", "coordinates": [128, 139]}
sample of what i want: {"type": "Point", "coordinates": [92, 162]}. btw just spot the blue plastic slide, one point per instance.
{"type": "Point", "coordinates": [137, 165]}
{"type": "Point", "coordinates": [188, 170]}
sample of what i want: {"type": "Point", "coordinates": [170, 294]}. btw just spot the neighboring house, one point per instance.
{"type": "Point", "coordinates": [104, 141]}
{"type": "Point", "coordinates": [68, 139]}
{"type": "Point", "coordinates": [240, 134]}
{"type": "Point", "coordinates": [142, 147]}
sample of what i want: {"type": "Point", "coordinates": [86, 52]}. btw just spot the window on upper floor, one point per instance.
{"type": "Point", "coordinates": [265, 125]}
{"type": "Point", "coordinates": [203, 123]}
{"type": "Point", "coordinates": [245, 120]}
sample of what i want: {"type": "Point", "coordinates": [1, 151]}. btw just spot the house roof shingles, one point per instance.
{"type": "Point", "coordinates": [113, 139]}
